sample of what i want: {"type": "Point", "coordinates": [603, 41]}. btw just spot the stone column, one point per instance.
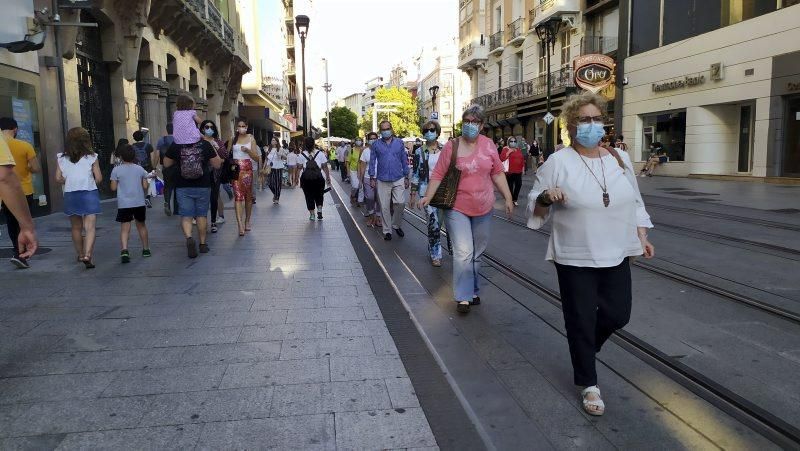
{"type": "Point", "coordinates": [150, 90]}
{"type": "Point", "coordinates": [163, 92]}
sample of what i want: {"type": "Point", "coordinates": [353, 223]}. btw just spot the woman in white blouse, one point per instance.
{"type": "Point", "coordinates": [276, 160]}
{"type": "Point", "coordinates": [599, 222]}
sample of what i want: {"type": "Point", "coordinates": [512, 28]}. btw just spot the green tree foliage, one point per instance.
{"type": "Point", "coordinates": [405, 120]}
{"type": "Point", "coordinates": [344, 122]}
{"type": "Point", "coordinates": [457, 131]}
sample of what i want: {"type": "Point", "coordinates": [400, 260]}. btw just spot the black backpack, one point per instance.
{"type": "Point", "coordinates": [312, 170]}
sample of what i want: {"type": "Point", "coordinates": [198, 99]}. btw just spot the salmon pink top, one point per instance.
{"type": "Point", "coordinates": [475, 196]}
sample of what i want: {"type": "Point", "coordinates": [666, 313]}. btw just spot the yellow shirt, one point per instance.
{"type": "Point", "coordinates": [22, 152]}
{"type": "Point", "coordinates": [6, 159]}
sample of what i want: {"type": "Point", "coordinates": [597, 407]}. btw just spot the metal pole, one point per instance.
{"type": "Point", "coordinates": [327, 87]}
{"type": "Point", "coordinates": [374, 118]}
{"type": "Point", "coordinates": [549, 126]}
{"type": "Point", "coordinates": [303, 88]}
{"type": "Point", "coordinates": [453, 106]}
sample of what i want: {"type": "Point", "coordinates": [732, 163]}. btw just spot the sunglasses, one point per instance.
{"type": "Point", "coordinates": [432, 130]}
{"type": "Point", "coordinates": [208, 127]}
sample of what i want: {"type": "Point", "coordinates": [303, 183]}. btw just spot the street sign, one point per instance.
{"type": "Point", "coordinates": [435, 116]}
{"type": "Point", "coordinates": [549, 118]}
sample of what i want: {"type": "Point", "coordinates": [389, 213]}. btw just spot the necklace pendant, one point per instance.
{"type": "Point", "coordinates": [606, 199]}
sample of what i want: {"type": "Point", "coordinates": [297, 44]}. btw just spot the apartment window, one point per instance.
{"type": "Point", "coordinates": [645, 20]}
{"type": "Point", "coordinates": [515, 75]}
{"type": "Point", "coordinates": [498, 19]}
{"type": "Point", "coordinates": [542, 63]}
{"type": "Point", "coordinates": [499, 75]}
{"type": "Point", "coordinates": [734, 11]}
{"type": "Point", "coordinates": [566, 57]}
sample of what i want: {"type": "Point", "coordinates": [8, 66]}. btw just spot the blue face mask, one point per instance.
{"type": "Point", "coordinates": [371, 141]}
{"type": "Point", "coordinates": [512, 145]}
{"type": "Point", "coordinates": [359, 143]}
{"type": "Point", "coordinates": [430, 136]}
{"type": "Point", "coordinates": [588, 135]}
{"type": "Point", "coordinates": [208, 132]}
{"type": "Point", "coordinates": [470, 131]}
{"type": "Point", "coordinates": [386, 134]}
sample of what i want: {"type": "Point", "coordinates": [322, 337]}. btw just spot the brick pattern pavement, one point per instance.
{"type": "Point", "coordinates": [270, 341]}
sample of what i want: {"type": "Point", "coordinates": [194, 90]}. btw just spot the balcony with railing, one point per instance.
{"type": "Point", "coordinates": [545, 9]}
{"type": "Point", "coordinates": [465, 11]}
{"type": "Point", "coordinates": [599, 44]}
{"type": "Point", "coordinates": [290, 70]}
{"type": "Point", "coordinates": [559, 81]}
{"type": "Point", "coordinates": [496, 42]}
{"type": "Point", "coordinates": [275, 88]}
{"type": "Point", "coordinates": [516, 32]}
{"type": "Point", "coordinates": [473, 53]}
{"type": "Point", "coordinates": [202, 13]}
{"type": "Point", "coordinates": [290, 42]}
{"type": "Point", "coordinates": [289, 16]}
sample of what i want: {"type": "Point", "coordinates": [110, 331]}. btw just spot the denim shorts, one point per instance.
{"type": "Point", "coordinates": [193, 202]}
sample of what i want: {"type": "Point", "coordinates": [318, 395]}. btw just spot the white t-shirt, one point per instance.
{"type": "Point", "coordinates": [365, 158]}
{"type": "Point", "coordinates": [275, 157]}
{"type": "Point", "coordinates": [291, 159]}
{"type": "Point", "coordinates": [584, 231]}
{"type": "Point", "coordinates": [79, 176]}
{"type": "Point", "coordinates": [321, 159]}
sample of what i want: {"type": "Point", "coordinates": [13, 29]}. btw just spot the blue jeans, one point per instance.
{"type": "Point", "coordinates": [434, 227]}
{"type": "Point", "coordinates": [469, 235]}
{"type": "Point", "coordinates": [193, 202]}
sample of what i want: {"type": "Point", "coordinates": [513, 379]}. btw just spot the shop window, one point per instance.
{"type": "Point", "coordinates": [668, 130]}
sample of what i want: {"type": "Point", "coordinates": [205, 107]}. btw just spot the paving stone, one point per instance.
{"type": "Point", "coordinates": [283, 332]}
{"type": "Point", "coordinates": [278, 372]}
{"type": "Point", "coordinates": [360, 368]}
{"type": "Point", "coordinates": [251, 318]}
{"type": "Point", "coordinates": [128, 359]}
{"type": "Point", "coordinates": [359, 328]}
{"type": "Point", "coordinates": [92, 326]}
{"type": "Point", "coordinates": [383, 429]}
{"type": "Point", "coordinates": [53, 388]}
{"type": "Point", "coordinates": [384, 345]}
{"type": "Point", "coordinates": [349, 301]}
{"type": "Point", "coordinates": [230, 353]}
{"type": "Point", "coordinates": [314, 349]}
{"type": "Point", "coordinates": [149, 339]}
{"type": "Point", "coordinates": [310, 432]}
{"type": "Point", "coordinates": [180, 437]}
{"type": "Point", "coordinates": [324, 314]}
{"type": "Point", "coordinates": [16, 328]}
{"type": "Point", "coordinates": [71, 416]}
{"type": "Point", "coordinates": [401, 392]}
{"type": "Point", "coordinates": [36, 442]}
{"type": "Point", "coordinates": [288, 303]}
{"type": "Point", "coordinates": [165, 322]}
{"type": "Point", "coordinates": [208, 406]}
{"type": "Point", "coordinates": [166, 380]}
{"type": "Point", "coordinates": [306, 399]}
{"type": "Point", "coordinates": [38, 364]}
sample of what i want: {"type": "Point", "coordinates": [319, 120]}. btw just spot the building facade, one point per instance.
{"type": "Point", "coordinates": [121, 72]}
{"type": "Point", "coordinates": [354, 102]}
{"type": "Point", "coordinates": [501, 52]}
{"type": "Point", "coordinates": [720, 92]}
{"type": "Point", "coordinates": [453, 93]}
{"type": "Point", "coordinates": [265, 89]}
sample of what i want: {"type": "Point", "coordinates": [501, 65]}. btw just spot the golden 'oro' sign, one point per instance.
{"type": "Point", "coordinates": [593, 72]}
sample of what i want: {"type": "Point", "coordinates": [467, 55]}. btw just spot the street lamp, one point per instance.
{"type": "Point", "coordinates": [547, 32]}
{"type": "Point", "coordinates": [301, 22]}
{"type": "Point", "coordinates": [433, 90]}
{"type": "Point", "coordinates": [309, 90]}
{"type": "Point", "coordinates": [327, 87]}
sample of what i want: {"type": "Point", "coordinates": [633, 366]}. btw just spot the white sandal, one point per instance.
{"type": "Point", "coordinates": [595, 408]}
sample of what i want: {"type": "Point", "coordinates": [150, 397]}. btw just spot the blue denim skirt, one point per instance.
{"type": "Point", "coordinates": [82, 203]}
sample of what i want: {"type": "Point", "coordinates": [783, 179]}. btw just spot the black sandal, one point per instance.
{"type": "Point", "coordinates": [462, 308]}
{"type": "Point", "coordinates": [476, 300]}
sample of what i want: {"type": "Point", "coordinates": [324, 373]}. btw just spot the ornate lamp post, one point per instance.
{"type": "Point", "coordinates": [433, 90]}
{"type": "Point", "coordinates": [327, 87]}
{"type": "Point", "coordinates": [309, 90]}
{"type": "Point", "coordinates": [301, 22]}
{"type": "Point", "coordinates": [547, 32]}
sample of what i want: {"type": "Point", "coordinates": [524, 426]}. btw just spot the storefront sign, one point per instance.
{"type": "Point", "coordinates": [593, 72]}
{"type": "Point", "coordinates": [22, 114]}
{"type": "Point", "coordinates": [791, 87]}
{"type": "Point", "coordinates": [688, 81]}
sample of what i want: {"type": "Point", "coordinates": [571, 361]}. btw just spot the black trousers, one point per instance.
{"type": "Point", "coordinates": [170, 197]}
{"type": "Point", "coordinates": [275, 183]}
{"type": "Point", "coordinates": [343, 170]}
{"type": "Point", "coordinates": [596, 302]}
{"type": "Point", "coordinates": [314, 190]}
{"type": "Point", "coordinates": [13, 225]}
{"type": "Point", "coordinates": [514, 184]}
{"type": "Point", "coordinates": [215, 185]}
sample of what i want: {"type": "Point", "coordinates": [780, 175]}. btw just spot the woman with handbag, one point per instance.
{"type": "Point", "coordinates": [462, 184]}
{"type": "Point", "coordinates": [426, 157]}
{"type": "Point", "coordinates": [599, 223]}
{"type": "Point", "coordinates": [245, 153]}
{"type": "Point", "coordinates": [210, 133]}
{"type": "Point", "coordinates": [274, 166]}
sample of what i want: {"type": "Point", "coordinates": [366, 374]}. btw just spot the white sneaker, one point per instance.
{"type": "Point", "coordinates": [221, 220]}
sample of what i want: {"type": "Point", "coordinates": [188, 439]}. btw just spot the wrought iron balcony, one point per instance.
{"type": "Point", "coordinates": [202, 13]}
{"type": "Point", "coordinates": [496, 42]}
{"type": "Point", "coordinates": [516, 31]}
{"type": "Point", "coordinates": [599, 44]}
{"type": "Point", "coordinates": [473, 53]}
{"type": "Point", "coordinates": [290, 70]}
{"type": "Point", "coordinates": [290, 41]}
{"type": "Point", "coordinates": [537, 87]}
{"type": "Point", "coordinates": [545, 9]}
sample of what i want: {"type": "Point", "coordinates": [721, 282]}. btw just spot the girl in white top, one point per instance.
{"type": "Point", "coordinates": [599, 221]}
{"type": "Point", "coordinates": [291, 165]}
{"type": "Point", "coordinates": [276, 160]}
{"type": "Point", "coordinates": [79, 171]}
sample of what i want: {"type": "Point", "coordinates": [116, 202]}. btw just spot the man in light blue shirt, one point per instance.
{"type": "Point", "coordinates": [390, 172]}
